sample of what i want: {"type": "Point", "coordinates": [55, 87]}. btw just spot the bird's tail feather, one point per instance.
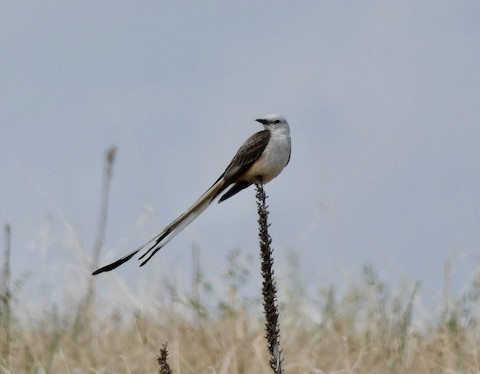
{"type": "Point", "coordinates": [172, 230]}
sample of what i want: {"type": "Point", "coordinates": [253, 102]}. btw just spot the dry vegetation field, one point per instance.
{"type": "Point", "coordinates": [368, 329]}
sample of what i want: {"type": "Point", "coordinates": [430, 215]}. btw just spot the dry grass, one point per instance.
{"type": "Point", "coordinates": [367, 330]}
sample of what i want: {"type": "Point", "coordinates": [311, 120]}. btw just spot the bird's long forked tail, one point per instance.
{"type": "Point", "coordinates": [172, 230]}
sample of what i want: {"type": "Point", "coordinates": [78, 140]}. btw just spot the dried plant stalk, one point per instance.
{"type": "Point", "coordinates": [269, 289]}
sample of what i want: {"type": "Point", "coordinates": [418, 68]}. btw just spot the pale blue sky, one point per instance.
{"type": "Point", "coordinates": [383, 102]}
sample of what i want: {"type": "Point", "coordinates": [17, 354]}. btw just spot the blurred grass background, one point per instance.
{"type": "Point", "coordinates": [370, 328]}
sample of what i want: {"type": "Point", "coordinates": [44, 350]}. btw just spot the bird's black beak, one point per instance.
{"type": "Point", "coordinates": [262, 121]}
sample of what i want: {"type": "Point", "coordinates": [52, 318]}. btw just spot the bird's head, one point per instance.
{"type": "Point", "coordinates": [273, 121]}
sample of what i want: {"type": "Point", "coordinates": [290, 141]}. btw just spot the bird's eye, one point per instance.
{"type": "Point", "coordinates": [277, 121]}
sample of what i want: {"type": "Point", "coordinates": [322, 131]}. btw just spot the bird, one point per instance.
{"type": "Point", "coordinates": [259, 159]}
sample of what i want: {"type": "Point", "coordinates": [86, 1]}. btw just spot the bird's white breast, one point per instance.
{"type": "Point", "coordinates": [273, 159]}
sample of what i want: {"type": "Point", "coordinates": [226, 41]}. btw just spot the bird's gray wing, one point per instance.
{"type": "Point", "coordinates": [247, 154]}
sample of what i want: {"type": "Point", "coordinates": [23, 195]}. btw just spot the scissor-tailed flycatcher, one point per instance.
{"type": "Point", "coordinates": [260, 159]}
